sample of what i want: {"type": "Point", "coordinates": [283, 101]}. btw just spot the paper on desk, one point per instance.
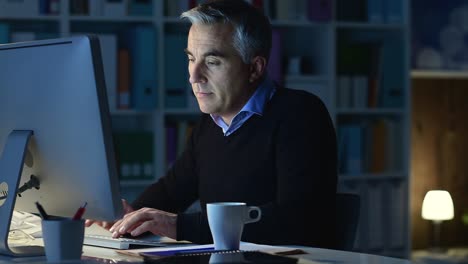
{"type": "Point", "coordinates": [243, 246]}
{"type": "Point", "coordinates": [27, 223]}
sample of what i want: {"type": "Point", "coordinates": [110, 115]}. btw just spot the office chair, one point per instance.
{"type": "Point", "coordinates": [348, 207]}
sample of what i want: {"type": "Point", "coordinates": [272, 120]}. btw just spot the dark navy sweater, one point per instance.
{"type": "Point", "coordinates": [285, 162]}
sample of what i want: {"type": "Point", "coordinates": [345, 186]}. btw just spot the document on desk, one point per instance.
{"type": "Point", "coordinates": [245, 246]}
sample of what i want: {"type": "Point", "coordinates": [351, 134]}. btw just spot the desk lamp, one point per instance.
{"type": "Point", "coordinates": [437, 206]}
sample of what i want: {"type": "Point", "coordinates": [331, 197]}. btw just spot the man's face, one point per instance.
{"type": "Point", "coordinates": [219, 78]}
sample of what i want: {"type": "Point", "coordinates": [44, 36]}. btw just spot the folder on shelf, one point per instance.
{"type": "Point", "coordinates": [351, 148]}
{"type": "Point", "coordinates": [393, 11]}
{"type": "Point", "coordinates": [115, 8]}
{"type": "Point", "coordinates": [142, 45]}
{"type": "Point", "coordinates": [392, 74]}
{"type": "Point", "coordinates": [134, 151]}
{"type": "Point", "coordinates": [123, 85]}
{"type": "Point", "coordinates": [375, 9]}
{"type": "Point", "coordinates": [274, 67]}
{"type": "Point", "coordinates": [176, 72]}
{"type": "Point", "coordinates": [320, 10]}
{"type": "Point", "coordinates": [109, 58]}
{"type": "Point", "coordinates": [4, 33]}
{"type": "Point", "coordinates": [18, 8]}
{"type": "Point", "coordinates": [140, 7]}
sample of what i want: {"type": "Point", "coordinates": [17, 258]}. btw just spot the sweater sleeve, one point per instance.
{"type": "Point", "coordinates": [177, 190]}
{"type": "Point", "coordinates": [306, 165]}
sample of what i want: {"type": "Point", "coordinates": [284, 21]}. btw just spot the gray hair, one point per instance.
{"type": "Point", "coordinates": [252, 29]}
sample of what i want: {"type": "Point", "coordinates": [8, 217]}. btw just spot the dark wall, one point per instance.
{"type": "Point", "coordinates": [439, 155]}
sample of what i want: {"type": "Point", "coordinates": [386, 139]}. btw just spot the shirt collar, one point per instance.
{"type": "Point", "coordinates": [257, 101]}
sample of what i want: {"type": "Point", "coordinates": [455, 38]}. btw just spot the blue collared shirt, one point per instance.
{"type": "Point", "coordinates": [255, 105]}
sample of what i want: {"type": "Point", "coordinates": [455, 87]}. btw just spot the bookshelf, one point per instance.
{"type": "Point", "coordinates": [309, 40]}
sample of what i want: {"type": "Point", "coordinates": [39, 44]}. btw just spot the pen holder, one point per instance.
{"type": "Point", "coordinates": [63, 239]}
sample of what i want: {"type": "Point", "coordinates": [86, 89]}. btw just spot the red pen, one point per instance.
{"type": "Point", "coordinates": [79, 213]}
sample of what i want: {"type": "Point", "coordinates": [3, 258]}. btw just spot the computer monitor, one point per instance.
{"type": "Point", "coordinates": [56, 90]}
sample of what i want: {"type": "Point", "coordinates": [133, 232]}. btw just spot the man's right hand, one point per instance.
{"type": "Point", "coordinates": [127, 208]}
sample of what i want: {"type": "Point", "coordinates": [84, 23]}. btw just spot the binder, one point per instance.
{"type": "Point", "coordinates": [143, 46]}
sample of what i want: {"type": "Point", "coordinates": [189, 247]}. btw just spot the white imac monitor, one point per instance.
{"type": "Point", "coordinates": [55, 90]}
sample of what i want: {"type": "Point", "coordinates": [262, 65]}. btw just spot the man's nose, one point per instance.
{"type": "Point", "coordinates": [196, 72]}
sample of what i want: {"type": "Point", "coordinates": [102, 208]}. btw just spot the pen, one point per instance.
{"type": "Point", "coordinates": [79, 213]}
{"type": "Point", "coordinates": [42, 212]}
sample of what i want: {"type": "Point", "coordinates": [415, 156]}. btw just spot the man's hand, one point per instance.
{"type": "Point", "coordinates": [146, 219]}
{"type": "Point", "coordinates": [107, 225]}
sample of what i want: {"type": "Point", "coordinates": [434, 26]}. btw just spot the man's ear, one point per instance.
{"type": "Point", "coordinates": [257, 68]}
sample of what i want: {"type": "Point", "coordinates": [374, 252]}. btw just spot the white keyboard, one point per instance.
{"type": "Point", "coordinates": [121, 242]}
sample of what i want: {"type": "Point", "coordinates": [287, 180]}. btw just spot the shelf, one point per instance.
{"type": "Point", "coordinates": [439, 74]}
{"type": "Point", "coordinates": [373, 177]}
{"type": "Point", "coordinates": [133, 19]}
{"type": "Point", "coordinates": [135, 183]}
{"type": "Point", "coordinates": [297, 23]}
{"type": "Point", "coordinates": [55, 18]}
{"type": "Point", "coordinates": [369, 26]}
{"type": "Point", "coordinates": [175, 111]}
{"type": "Point", "coordinates": [131, 113]}
{"type": "Point", "coordinates": [307, 78]}
{"type": "Point", "coordinates": [370, 111]}
{"type": "Point", "coordinates": [175, 20]}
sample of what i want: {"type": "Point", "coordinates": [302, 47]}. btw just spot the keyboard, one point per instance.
{"type": "Point", "coordinates": [122, 242]}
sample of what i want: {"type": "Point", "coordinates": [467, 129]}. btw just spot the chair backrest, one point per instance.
{"type": "Point", "coordinates": [348, 206]}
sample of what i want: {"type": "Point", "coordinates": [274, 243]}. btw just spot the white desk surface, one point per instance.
{"type": "Point", "coordinates": [315, 255]}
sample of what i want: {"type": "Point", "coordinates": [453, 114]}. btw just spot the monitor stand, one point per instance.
{"type": "Point", "coordinates": [11, 167]}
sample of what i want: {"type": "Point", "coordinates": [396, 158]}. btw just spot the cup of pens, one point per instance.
{"type": "Point", "coordinates": [63, 237]}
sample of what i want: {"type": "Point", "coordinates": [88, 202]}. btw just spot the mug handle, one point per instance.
{"type": "Point", "coordinates": [253, 220]}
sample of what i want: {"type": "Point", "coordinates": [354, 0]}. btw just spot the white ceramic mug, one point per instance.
{"type": "Point", "coordinates": [63, 239]}
{"type": "Point", "coordinates": [227, 221]}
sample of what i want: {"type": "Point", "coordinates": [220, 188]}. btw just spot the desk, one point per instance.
{"type": "Point", "coordinates": [449, 256]}
{"type": "Point", "coordinates": [105, 255]}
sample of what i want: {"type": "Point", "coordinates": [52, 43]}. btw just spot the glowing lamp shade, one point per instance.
{"type": "Point", "coordinates": [437, 206]}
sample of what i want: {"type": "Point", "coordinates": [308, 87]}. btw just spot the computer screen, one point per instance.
{"type": "Point", "coordinates": [56, 89]}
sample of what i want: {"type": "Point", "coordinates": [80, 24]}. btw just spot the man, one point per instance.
{"type": "Point", "coordinates": [256, 143]}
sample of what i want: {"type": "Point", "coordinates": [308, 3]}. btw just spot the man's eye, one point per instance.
{"type": "Point", "coordinates": [212, 62]}
{"type": "Point", "coordinates": [190, 59]}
